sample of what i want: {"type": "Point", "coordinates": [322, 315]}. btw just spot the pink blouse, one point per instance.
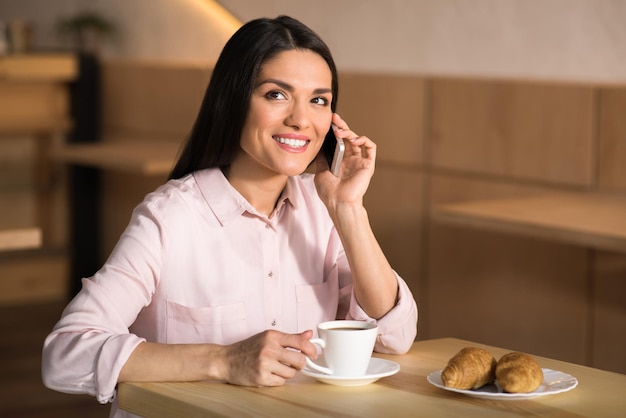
{"type": "Point", "coordinates": [197, 263]}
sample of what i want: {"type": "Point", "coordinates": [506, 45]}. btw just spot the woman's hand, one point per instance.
{"type": "Point", "coordinates": [356, 170]}
{"type": "Point", "coordinates": [267, 359]}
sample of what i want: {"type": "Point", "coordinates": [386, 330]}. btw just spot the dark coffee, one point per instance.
{"type": "Point", "coordinates": [347, 329]}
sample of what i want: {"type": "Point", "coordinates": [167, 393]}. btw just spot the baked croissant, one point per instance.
{"type": "Point", "coordinates": [518, 373]}
{"type": "Point", "coordinates": [470, 368]}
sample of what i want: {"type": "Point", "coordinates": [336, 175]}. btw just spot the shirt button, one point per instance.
{"type": "Point", "coordinates": [270, 274]}
{"type": "Point", "coordinates": [267, 226]}
{"type": "Point", "coordinates": [274, 323]}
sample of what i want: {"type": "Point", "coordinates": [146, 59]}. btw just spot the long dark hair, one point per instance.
{"type": "Point", "coordinates": [214, 139]}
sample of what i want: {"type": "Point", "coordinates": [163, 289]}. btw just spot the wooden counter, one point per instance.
{"type": "Point", "coordinates": [406, 394]}
{"type": "Point", "coordinates": [139, 157]}
{"type": "Point", "coordinates": [586, 219]}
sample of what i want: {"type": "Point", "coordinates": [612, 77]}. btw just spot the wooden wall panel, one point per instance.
{"type": "Point", "coordinates": [30, 278]}
{"type": "Point", "coordinates": [121, 193]}
{"type": "Point", "coordinates": [451, 188]}
{"type": "Point", "coordinates": [502, 289]}
{"type": "Point", "coordinates": [395, 214]}
{"type": "Point", "coordinates": [527, 131]}
{"type": "Point", "coordinates": [523, 294]}
{"type": "Point", "coordinates": [609, 307]}
{"type": "Point", "coordinates": [154, 100]}
{"type": "Point", "coordinates": [389, 109]}
{"type": "Point", "coordinates": [612, 140]}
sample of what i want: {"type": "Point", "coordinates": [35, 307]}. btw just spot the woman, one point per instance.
{"type": "Point", "coordinates": [225, 271]}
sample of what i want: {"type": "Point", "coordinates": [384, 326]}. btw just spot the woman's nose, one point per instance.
{"type": "Point", "coordinates": [298, 116]}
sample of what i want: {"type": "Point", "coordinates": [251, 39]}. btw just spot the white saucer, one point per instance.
{"type": "Point", "coordinates": [553, 382]}
{"type": "Point", "coordinates": [377, 369]}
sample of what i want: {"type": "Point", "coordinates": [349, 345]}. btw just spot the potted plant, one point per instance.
{"type": "Point", "coordinates": [87, 30]}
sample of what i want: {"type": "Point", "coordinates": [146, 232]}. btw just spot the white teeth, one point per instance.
{"type": "Point", "coordinates": [294, 143]}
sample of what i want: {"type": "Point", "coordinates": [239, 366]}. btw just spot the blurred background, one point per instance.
{"type": "Point", "coordinates": [500, 189]}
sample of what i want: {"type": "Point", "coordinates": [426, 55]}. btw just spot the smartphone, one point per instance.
{"type": "Point", "coordinates": [333, 149]}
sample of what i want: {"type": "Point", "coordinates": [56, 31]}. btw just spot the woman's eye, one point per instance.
{"type": "Point", "coordinates": [321, 101]}
{"type": "Point", "coordinates": [275, 94]}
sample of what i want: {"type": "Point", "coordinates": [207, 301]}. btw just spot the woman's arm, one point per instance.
{"type": "Point", "coordinates": [91, 348]}
{"type": "Point", "coordinates": [266, 359]}
{"type": "Point", "coordinates": [375, 283]}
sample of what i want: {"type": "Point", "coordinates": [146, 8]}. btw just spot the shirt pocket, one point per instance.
{"type": "Point", "coordinates": [316, 303]}
{"type": "Point", "coordinates": [223, 324]}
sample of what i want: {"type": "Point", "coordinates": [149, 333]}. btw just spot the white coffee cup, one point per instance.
{"type": "Point", "coordinates": [347, 347]}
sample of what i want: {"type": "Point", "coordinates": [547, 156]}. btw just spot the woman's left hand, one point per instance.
{"type": "Point", "coordinates": [356, 170]}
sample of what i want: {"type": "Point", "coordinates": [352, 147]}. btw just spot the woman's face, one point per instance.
{"type": "Point", "coordinates": [289, 115]}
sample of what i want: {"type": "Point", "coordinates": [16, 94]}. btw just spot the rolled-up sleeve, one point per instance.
{"type": "Point", "coordinates": [87, 348]}
{"type": "Point", "coordinates": [90, 344]}
{"type": "Point", "coordinates": [398, 328]}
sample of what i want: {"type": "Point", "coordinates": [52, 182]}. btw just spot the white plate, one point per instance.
{"type": "Point", "coordinates": [553, 382]}
{"type": "Point", "coordinates": [377, 368]}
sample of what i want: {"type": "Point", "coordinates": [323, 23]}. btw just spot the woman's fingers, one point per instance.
{"type": "Point", "coordinates": [357, 145]}
{"type": "Point", "coordinates": [341, 129]}
{"type": "Point", "coordinates": [269, 358]}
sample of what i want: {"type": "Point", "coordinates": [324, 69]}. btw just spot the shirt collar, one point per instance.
{"type": "Point", "coordinates": [226, 202]}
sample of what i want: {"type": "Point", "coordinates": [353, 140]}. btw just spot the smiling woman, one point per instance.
{"type": "Point", "coordinates": [225, 271]}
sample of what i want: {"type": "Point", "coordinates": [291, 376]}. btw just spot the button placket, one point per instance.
{"type": "Point", "coordinates": [272, 291]}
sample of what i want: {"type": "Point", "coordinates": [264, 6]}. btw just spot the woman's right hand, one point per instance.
{"type": "Point", "coordinates": [267, 359]}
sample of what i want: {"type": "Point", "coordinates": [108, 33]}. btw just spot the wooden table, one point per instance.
{"type": "Point", "coordinates": [406, 394]}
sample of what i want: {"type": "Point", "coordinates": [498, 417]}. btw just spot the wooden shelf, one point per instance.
{"type": "Point", "coordinates": [16, 126]}
{"type": "Point", "coordinates": [38, 67]}
{"type": "Point", "coordinates": [139, 157]}
{"type": "Point", "coordinates": [20, 239]}
{"type": "Point", "coordinates": [33, 93]}
{"type": "Point", "coordinates": [587, 219]}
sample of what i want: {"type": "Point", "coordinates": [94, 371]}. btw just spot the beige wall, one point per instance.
{"type": "Point", "coordinates": [545, 39]}
{"type": "Point", "coordinates": [552, 39]}
{"type": "Point", "coordinates": [164, 30]}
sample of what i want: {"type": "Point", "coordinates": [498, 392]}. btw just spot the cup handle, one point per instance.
{"type": "Point", "coordinates": [314, 366]}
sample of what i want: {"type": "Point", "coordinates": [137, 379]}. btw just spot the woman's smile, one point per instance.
{"type": "Point", "coordinates": [289, 115]}
{"type": "Point", "coordinates": [292, 142]}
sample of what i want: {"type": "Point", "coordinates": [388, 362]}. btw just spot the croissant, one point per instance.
{"type": "Point", "coordinates": [470, 368]}
{"type": "Point", "coordinates": [518, 373]}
